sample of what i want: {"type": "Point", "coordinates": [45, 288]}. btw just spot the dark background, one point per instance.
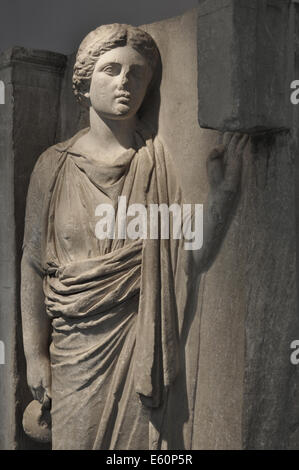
{"type": "Point", "coordinates": [60, 25]}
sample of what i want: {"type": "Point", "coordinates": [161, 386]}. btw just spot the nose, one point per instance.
{"type": "Point", "coordinates": [124, 79]}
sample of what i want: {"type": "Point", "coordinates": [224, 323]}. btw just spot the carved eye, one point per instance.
{"type": "Point", "coordinates": [111, 69]}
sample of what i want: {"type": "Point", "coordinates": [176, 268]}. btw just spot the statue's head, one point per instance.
{"type": "Point", "coordinates": [115, 67]}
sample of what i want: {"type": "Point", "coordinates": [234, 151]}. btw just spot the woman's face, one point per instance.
{"type": "Point", "coordinates": [119, 83]}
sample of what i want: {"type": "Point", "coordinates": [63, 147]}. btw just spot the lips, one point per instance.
{"type": "Point", "coordinates": [123, 97]}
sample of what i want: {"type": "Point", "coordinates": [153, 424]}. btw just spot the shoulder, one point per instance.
{"type": "Point", "coordinates": [48, 162]}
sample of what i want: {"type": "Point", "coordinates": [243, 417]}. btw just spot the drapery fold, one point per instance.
{"type": "Point", "coordinates": [127, 292]}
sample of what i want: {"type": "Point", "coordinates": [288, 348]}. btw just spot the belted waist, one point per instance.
{"type": "Point", "coordinates": [85, 288]}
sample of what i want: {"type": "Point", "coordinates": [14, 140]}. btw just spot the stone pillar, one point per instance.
{"type": "Point", "coordinates": [28, 122]}
{"type": "Point", "coordinates": [271, 394]}
{"type": "Point", "coordinates": [247, 59]}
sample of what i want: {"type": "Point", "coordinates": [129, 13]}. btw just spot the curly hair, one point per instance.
{"type": "Point", "coordinates": [103, 39]}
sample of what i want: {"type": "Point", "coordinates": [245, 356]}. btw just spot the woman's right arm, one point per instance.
{"type": "Point", "coordinates": [36, 324]}
{"type": "Point", "coordinates": [36, 332]}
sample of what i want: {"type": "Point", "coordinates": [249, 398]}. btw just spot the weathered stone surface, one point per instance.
{"type": "Point", "coordinates": [27, 126]}
{"type": "Point", "coordinates": [260, 246]}
{"type": "Point", "coordinates": [271, 395]}
{"type": "Point", "coordinates": [245, 64]}
{"type": "Point", "coordinates": [241, 388]}
{"type": "Point", "coordinates": [271, 400]}
{"type": "Point", "coordinates": [67, 127]}
{"type": "Point", "coordinates": [37, 422]}
{"type": "Point", "coordinates": [8, 295]}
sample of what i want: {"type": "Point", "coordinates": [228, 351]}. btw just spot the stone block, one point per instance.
{"type": "Point", "coordinates": [245, 64]}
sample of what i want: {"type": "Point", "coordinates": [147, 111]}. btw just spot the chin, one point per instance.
{"type": "Point", "coordinates": [124, 113]}
{"type": "Point", "coordinates": [119, 113]}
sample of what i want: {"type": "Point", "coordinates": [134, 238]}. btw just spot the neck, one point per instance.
{"type": "Point", "coordinates": [110, 132]}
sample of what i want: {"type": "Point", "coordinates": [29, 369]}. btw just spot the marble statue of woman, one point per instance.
{"type": "Point", "coordinates": [100, 324]}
